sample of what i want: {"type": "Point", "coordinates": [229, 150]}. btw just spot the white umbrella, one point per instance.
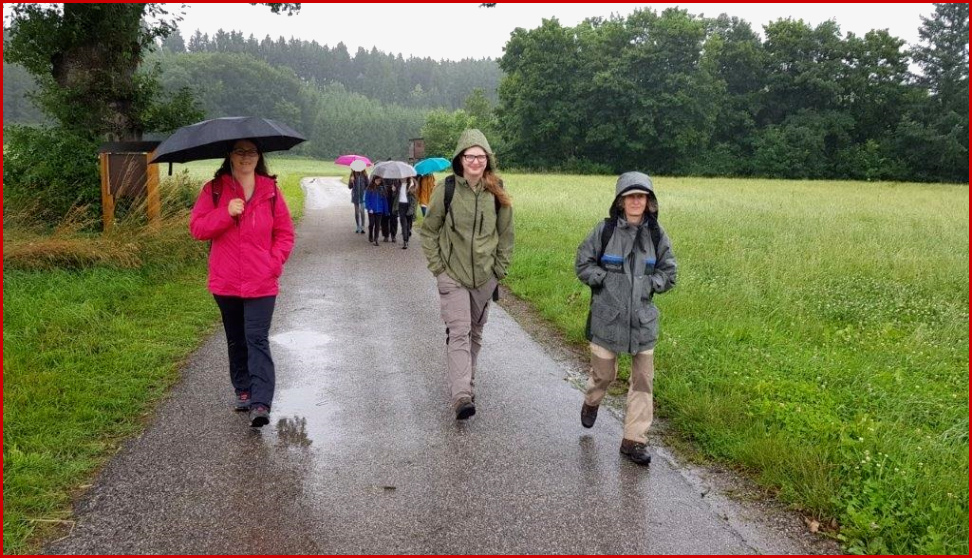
{"type": "Point", "coordinates": [393, 169]}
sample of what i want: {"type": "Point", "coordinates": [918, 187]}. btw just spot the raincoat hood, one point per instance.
{"type": "Point", "coordinates": [470, 138]}
{"type": "Point", "coordinates": [634, 180]}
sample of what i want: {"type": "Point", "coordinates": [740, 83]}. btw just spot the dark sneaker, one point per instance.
{"type": "Point", "coordinates": [259, 416]}
{"type": "Point", "coordinates": [588, 415]}
{"type": "Point", "coordinates": [243, 401]}
{"type": "Point", "coordinates": [636, 451]}
{"type": "Point", "coordinates": [465, 408]}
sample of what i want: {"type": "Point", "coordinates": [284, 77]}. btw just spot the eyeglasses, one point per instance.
{"type": "Point", "coordinates": [246, 152]}
{"type": "Point", "coordinates": [471, 158]}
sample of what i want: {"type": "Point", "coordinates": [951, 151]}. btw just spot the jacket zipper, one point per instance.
{"type": "Point", "coordinates": [472, 241]}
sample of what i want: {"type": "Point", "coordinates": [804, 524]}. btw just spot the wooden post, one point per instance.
{"type": "Point", "coordinates": [107, 200]}
{"type": "Point", "coordinates": [153, 200]}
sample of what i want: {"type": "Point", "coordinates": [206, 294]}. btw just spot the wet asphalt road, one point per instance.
{"type": "Point", "coordinates": [363, 453]}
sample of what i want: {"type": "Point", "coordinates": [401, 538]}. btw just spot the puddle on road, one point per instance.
{"type": "Point", "coordinates": [301, 340]}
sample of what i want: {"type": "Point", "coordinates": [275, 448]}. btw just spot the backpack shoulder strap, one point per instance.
{"type": "Point", "coordinates": [450, 190]}
{"type": "Point", "coordinates": [216, 189]}
{"type": "Point", "coordinates": [606, 233]}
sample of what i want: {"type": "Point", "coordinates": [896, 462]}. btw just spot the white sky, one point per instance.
{"type": "Point", "coordinates": [418, 29]}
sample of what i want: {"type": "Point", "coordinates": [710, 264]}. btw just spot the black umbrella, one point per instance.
{"type": "Point", "coordinates": [213, 139]}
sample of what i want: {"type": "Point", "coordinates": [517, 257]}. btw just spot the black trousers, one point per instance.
{"type": "Point", "coordinates": [405, 220]}
{"type": "Point", "coordinates": [374, 223]}
{"type": "Point", "coordinates": [247, 325]}
{"type": "Point", "coordinates": [389, 225]}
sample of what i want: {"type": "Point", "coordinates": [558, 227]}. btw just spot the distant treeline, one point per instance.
{"type": "Point", "coordinates": [678, 94]}
{"type": "Point", "coordinates": [333, 119]}
{"type": "Point", "coordinates": [390, 79]}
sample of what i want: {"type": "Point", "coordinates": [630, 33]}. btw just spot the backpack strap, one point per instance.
{"type": "Point", "coordinates": [608, 231]}
{"type": "Point", "coordinates": [216, 189]}
{"type": "Point", "coordinates": [450, 191]}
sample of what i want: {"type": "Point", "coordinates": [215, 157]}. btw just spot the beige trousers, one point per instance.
{"type": "Point", "coordinates": [604, 369]}
{"type": "Point", "coordinates": [464, 312]}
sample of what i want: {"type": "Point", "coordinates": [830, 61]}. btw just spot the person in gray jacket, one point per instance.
{"type": "Point", "coordinates": [626, 260]}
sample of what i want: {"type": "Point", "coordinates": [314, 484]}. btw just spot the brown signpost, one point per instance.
{"type": "Point", "coordinates": [416, 150]}
{"type": "Point", "coordinates": [126, 172]}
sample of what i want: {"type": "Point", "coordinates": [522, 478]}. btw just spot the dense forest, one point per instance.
{"type": "Point", "coordinates": [670, 93]}
{"type": "Point", "coordinates": [678, 94]}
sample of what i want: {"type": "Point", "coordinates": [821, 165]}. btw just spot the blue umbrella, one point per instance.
{"type": "Point", "coordinates": [432, 164]}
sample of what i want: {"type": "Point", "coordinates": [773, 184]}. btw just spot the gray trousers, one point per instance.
{"type": "Point", "coordinates": [604, 369]}
{"type": "Point", "coordinates": [360, 216]}
{"type": "Point", "coordinates": [464, 312]}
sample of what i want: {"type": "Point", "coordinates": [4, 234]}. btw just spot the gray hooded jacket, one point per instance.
{"type": "Point", "coordinates": [623, 280]}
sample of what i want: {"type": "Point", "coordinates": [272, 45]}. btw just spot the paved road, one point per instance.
{"type": "Point", "coordinates": [363, 454]}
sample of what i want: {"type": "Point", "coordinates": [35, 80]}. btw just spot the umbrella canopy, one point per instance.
{"type": "Point", "coordinates": [432, 164]}
{"type": "Point", "coordinates": [213, 139]}
{"type": "Point", "coordinates": [393, 169]}
{"type": "Point", "coordinates": [348, 159]}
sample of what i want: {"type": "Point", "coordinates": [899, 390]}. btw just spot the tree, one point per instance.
{"type": "Point", "coordinates": [86, 57]}
{"type": "Point", "coordinates": [174, 43]}
{"type": "Point", "coordinates": [539, 116]}
{"type": "Point", "coordinates": [442, 130]}
{"type": "Point", "coordinates": [943, 58]}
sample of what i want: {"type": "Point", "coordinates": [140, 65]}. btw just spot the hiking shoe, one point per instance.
{"type": "Point", "coordinates": [259, 416]}
{"type": "Point", "coordinates": [243, 401]}
{"type": "Point", "coordinates": [588, 415]}
{"type": "Point", "coordinates": [465, 408]}
{"type": "Point", "coordinates": [636, 451]}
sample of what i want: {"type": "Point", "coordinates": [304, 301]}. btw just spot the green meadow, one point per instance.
{"type": "Point", "coordinates": [816, 341]}
{"type": "Point", "coordinates": [817, 338]}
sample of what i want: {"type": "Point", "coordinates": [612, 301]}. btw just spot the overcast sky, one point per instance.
{"type": "Point", "coordinates": [419, 29]}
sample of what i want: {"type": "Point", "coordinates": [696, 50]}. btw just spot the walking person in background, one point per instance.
{"type": "Point", "coordinates": [467, 237]}
{"type": "Point", "coordinates": [389, 221]}
{"type": "Point", "coordinates": [377, 206]}
{"type": "Point", "coordinates": [243, 213]}
{"type": "Point", "coordinates": [426, 183]}
{"type": "Point", "coordinates": [626, 260]}
{"type": "Point", "coordinates": [357, 183]}
{"type": "Point", "coordinates": [407, 204]}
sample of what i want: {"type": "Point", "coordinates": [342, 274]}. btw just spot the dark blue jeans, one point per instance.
{"type": "Point", "coordinates": [247, 325]}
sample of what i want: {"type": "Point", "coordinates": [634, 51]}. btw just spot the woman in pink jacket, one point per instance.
{"type": "Point", "coordinates": [242, 212]}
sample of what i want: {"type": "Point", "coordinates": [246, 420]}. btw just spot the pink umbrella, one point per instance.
{"type": "Point", "coordinates": [348, 159]}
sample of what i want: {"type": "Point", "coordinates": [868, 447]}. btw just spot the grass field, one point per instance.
{"type": "Point", "coordinates": [817, 340]}
{"type": "Point", "coordinates": [89, 352]}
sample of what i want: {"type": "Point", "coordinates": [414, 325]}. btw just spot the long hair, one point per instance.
{"type": "Point", "coordinates": [490, 178]}
{"type": "Point", "coordinates": [374, 183]}
{"type": "Point", "coordinates": [351, 178]}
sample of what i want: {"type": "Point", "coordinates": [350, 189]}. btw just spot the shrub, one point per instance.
{"type": "Point", "coordinates": [48, 171]}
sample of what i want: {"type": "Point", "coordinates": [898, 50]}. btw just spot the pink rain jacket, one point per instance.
{"type": "Point", "coordinates": [248, 252]}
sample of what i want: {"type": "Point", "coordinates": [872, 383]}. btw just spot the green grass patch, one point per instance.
{"type": "Point", "coordinates": [818, 338]}
{"type": "Point", "coordinates": [90, 349]}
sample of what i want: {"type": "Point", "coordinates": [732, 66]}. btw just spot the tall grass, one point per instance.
{"type": "Point", "coordinates": [95, 329]}
{"type": "Point", "coordinates": [817, 338]}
